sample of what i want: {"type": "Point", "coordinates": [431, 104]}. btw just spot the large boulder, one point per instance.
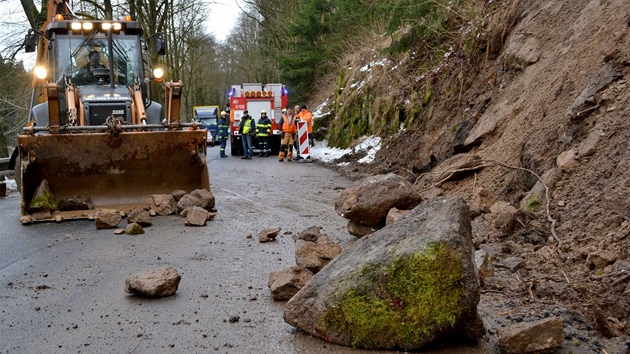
{"type": "Point", "coordinates": [368, 201]}
{"type": "Point", "coordinates": [406, 285]}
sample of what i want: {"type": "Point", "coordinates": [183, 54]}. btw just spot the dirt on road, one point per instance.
{"type": "Point", "coordinates": [62, 284]}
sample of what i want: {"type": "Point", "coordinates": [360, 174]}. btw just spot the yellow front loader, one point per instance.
{"type": "Point", "coordinates": [95, 139]}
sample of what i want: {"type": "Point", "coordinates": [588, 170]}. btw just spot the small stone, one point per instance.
{"type": "Point", "coordinates": [119, 231]}
{"type": "Point", "coordinates": [134, 229]}
{"type": "Point", "coordinates": [163, 282]}
{"type": "Point", "coordinates": [561, 203]}
{"type": "Point", "coordinates": [234, 319]}
{"type": "Point", "coordinates": [268, 235]}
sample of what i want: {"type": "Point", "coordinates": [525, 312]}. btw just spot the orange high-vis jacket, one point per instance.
{"type": "Point", "coordinates": [288, 125]}
{"type": "Point", "coordinates": [307, 116]}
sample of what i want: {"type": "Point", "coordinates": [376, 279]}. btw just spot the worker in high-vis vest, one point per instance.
{"type": "Point", "coordinates": [223, 135]}
{"type": "Point", "coordinates": [247, 128]}
{"type": "Point", "coordinates": [264, 131]}
{"type": "Point", "coordinates": [287, 124]}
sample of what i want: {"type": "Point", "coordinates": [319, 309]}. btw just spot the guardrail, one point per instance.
{"type": "Point", "coordinates": [4, 166]}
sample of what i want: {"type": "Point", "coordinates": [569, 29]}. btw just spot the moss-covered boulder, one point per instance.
{"type": "Point", "coordinates": [407, 285]}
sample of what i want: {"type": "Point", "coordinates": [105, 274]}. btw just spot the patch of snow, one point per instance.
{"type": "Point", "coordinates": [318, 112]}
{"type": "Point", "coordinates": [381, 62]}
{"type": "Point", "coordinates": [371, 145]}
{"type": "Point", "coordinates": [11, 185]}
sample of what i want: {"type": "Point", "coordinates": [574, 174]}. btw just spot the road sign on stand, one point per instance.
{"type": "Point", "coordinates": [303, 143]}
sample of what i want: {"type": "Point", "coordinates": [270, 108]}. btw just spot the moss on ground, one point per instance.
{"type": "Point", "coordinates": [398, 305]}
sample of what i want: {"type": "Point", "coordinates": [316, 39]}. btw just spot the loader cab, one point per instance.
{"type": "Point", "coordinates": [103, 60]}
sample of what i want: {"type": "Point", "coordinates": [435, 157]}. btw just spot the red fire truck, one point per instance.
{"type": "Point", "coordinates": [254, 98]}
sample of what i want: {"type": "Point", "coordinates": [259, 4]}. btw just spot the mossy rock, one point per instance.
{"type": "Point", "coordinates": [402, 304]}
{"type": "Point", "coordinates": [408, 284]}
{"type": "Point", "coordinates": [43, 199]}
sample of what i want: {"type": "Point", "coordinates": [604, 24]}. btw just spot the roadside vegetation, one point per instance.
{"type": "Point", "coordinates": [310, 45]}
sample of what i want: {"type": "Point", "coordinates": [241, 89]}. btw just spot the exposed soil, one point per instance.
{"type": "Point", "coordinates": [516, 110]}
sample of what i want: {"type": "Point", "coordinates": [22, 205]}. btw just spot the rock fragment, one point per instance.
{"type": "Point", "coordinates": [163, 204]}
{"type": "Point", "coordinates": [316, 255]}
{"type": "Point", "coordinates": [196, 216]}
{"type": "Point", "coordinates": [134, 229]}
{"type": "Point", "coordinates": [140, 217]}
{"type": "Point", "coordinates": [106, 219]}
{"type": "Point", "coordinates": [544, 336]}
{"type": "Point", "coordinates": [163, 282]}
{"type": "Point", "coordinates": [268, 235]}
{"type": "Point", "coordinates": [287, 282]}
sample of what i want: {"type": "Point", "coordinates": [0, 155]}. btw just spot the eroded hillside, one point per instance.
{"type": "Point", "coordinates": [545, 112]}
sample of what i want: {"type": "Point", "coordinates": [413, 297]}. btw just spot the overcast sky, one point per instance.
{"type": "Point", "coordinates": [221, 20]}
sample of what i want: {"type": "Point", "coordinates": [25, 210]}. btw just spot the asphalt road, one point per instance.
{"type": "Point", "coordinates": [61, 284]}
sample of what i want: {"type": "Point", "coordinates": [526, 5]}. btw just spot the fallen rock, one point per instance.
{"type": "Point", "coordinates": [163, 282]}
{"type": "Point", "coordinates": [434, 192]}
{"type": "Point", "coordinates": [287, 282]}
{"type": "Point", "coordinates": [600, 259]}
{"type": "Point", "coordinates": [368, 201]}
{"type": "Point", "coordinates": [178, 194]}
{"type": "Point", "coordinates": [140, 217]}
{"type": "Point", "coordinates": [583, 104]}
{"type": "Point", "coordinates": [106, 219]}
{"type": "Point", "coordinates": [483, 199]}
{"type": "Point", "coordinates": [43, 199]}
{"type": "Point", "coordinates": [589, 145]}
{"type": "Point", "coordinates": [268, 235]}
{"type": "Point", "coordinates": [196, 216]}
{"type": "Point", "coordinates": [383, 291]}
{"type": "Point", "coordinates": [119, 231]}
{"type": "Point", "coordinates": [134, 229]}
{"type": "Point", "coordinates": [187, 202]}
{"type": "Point", "coordinates": [75, 203]}
{"type": "Point", "coordinates": [503, 215]}
{"type": "Point", "coordinates": [163, 204]}
{"type": "Point", "coordinates": [206, 198]}
{"type": "Point", "coordinates": [359, 230]}
{"type": "Point", "coordinates": [312, 234]}
{"type": "Point", "coordinates": [395, 214]}
{"type": "Point", "coordinates": [483, 262]}
{"type": "Point", "coordinates": [568, 160]}
{"type": "Point", "coordinates": [315, 255]}
{"type": "Point", "coordinates": [544, 336]}
{"type": "Point", "coordinates": [513, 263]}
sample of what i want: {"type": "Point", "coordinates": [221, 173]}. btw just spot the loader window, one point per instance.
{"type": "Point", "coordinates": [78, 56]}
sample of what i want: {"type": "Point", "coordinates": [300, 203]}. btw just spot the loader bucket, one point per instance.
{"type": "Point", "coordinates": [112, 172]}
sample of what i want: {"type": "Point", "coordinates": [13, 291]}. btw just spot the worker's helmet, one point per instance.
{"type": "Point", "coordinates": [284, 110]}
{"type": "Point", "coordinates": [223, 113]}
{"type": "Point", "coordinates": [263, 112]}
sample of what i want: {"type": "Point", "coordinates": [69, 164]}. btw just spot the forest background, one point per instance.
{"type": "Point", "coordinates": [302, 43]}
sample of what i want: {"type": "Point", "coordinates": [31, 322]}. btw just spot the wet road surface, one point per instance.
{"type": "Point", "coordinates": [61, 284]}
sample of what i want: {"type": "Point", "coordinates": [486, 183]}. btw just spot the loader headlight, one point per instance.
{"type": "Point", "coordinates": [158, 74]}
{"type": "Point", "coordinates": [41, 72]}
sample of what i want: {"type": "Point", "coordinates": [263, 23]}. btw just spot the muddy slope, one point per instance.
{"type": "Point", "coordinates": [558, 87]}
